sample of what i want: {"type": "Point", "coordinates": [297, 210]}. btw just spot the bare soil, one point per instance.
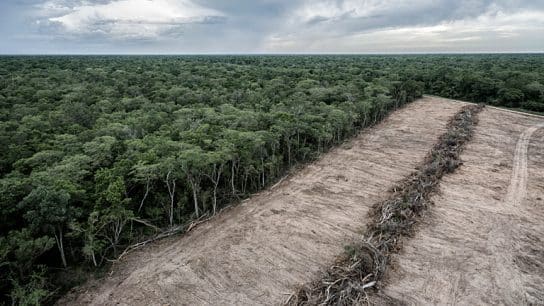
{"type": "Point", "coordinates": [483, 240]}
{"type": "Point", "coordinates": [258, 252]}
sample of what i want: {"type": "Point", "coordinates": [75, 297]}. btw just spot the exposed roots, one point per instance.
{"type": "Point", "coordinates": [363, 264]}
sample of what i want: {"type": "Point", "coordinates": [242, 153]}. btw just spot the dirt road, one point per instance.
{"type": "Point", "coordinates": [482, 242]}
{"type": "Point", "coordinates": [258, 252]}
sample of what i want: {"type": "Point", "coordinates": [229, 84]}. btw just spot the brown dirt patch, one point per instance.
{"type": "Point", "coordinates": [482, 241]}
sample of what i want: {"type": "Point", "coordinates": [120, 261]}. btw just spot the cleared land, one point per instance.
{"type": "Point", "coordinates": [258, 252]}
{"type": "Point", "coordinates": [482, 243]}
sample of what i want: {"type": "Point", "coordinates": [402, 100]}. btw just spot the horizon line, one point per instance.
{"type": "Point", "coordinates": [275, 53]}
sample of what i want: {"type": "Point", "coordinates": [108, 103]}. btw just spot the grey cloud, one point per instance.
{"type": "Point", "coordinates": [417, 13]}
{"type": "Point", "coordinates": [274, 26]}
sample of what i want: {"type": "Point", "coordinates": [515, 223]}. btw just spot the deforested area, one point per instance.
{"type": "Point", "coordinates": [101, 153]}
{"type": "Point", "coordinates": [350, 280]}
{"type": "Point", "coordinates": [259, 252]}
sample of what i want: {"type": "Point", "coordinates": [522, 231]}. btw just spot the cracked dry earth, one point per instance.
{"type": "Point", "coordinates": [483, 240]}
{"type": "Point", "coordinates": [258, 252]}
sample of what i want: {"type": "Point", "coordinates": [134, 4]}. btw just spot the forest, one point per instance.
{"type": "Point", "coordinates": [101, 152]}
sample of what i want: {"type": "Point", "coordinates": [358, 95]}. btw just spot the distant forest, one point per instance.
{"type": "Point", "coordinates": [101, 152]}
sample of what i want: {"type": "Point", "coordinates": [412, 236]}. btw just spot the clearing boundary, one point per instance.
{"type": "Point", "coordinates": [259, 251]}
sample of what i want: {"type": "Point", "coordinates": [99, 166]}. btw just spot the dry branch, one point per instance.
{"type": "Point", "coordinates": [184, 228]}
{"type": "Point", "coordinates": [363, 264]}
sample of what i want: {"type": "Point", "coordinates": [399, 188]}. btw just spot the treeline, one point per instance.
{"type": "Point", "coordinates": [508, 80]}
{"type": "Point", "coordinates": [100, 152]}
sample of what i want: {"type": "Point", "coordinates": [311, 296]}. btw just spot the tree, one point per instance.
{"type": "Point", "coordinates": [111, 202]}
{"type": "Point", "coordinates": [535, 91]}
{"type": "Point", "coordinates": [19, 251]}
{"type": "Point", "coordinates": [101, 150]}
{"type": "Point", "coordinates": [48, 210]}
{"type": "Point", "coordinates": [217, 161]}
{"type": "Point", "coordinates": [192, 162]}
{"type": "Point", "coordinates": [510, 96]}
{"type": "Point", "coordinates": [146, 174]}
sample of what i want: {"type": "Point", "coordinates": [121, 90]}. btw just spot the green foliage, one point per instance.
{"type": "Point", "coordinates": [46, 207]}
{"type": "Point", "coordinates": [510, 80]}
{"type": "Point", "coordinates": [22, 278]}
{"type": "Point", "coordinates": [33, 291]}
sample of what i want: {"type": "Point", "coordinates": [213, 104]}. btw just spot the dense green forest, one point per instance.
{"type": "Point", "coordinates": [98, 153]}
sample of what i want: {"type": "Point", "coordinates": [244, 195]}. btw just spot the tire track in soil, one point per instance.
{"type": "Point", "coordinates": [516, 194]}
{"type": "Point", "coordinates": [517, 190]}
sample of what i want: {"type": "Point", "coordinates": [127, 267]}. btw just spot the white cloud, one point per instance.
{"type": "Point", "coordinates": [124, 19]}
{"type": "Point", "coordinates": [331, 9]}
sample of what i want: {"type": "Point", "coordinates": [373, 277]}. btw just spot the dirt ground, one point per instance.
{"type": "Point", "coordinates": [260, 251]}
{"type": "Point", "coordinates": [483, 240]}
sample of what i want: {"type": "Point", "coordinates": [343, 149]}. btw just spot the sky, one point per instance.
{"type": "Point", "coordinates": [270, 26]}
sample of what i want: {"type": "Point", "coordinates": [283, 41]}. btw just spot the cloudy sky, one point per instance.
{"type": "Point", "coordinates": [270, 26]}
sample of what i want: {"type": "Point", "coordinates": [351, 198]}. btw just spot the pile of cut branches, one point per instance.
{"type": "Point", "coordinates": [365, 262]}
